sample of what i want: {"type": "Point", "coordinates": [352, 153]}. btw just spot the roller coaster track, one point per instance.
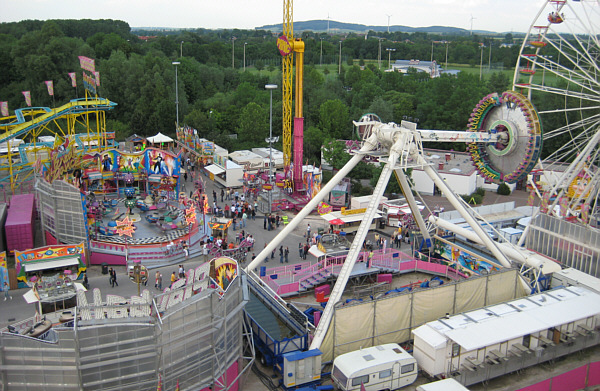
{"type": "Point", "coordinates": [74, 107]}
{"type": "Point", "coordinates": [40, 119]}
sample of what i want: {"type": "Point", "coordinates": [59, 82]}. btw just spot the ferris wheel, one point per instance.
{"type": "Point", "coordinates": [558, 71]}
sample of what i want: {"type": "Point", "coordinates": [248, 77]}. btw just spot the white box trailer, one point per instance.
{"type": "Point", "coordinates": [376, 368]}
{"type": "Point", "coordinates": [443, 385]}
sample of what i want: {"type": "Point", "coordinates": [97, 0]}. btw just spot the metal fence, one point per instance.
{"type": "Point", "coordinates": [196, 343]}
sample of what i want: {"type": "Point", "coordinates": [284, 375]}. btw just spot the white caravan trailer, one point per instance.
{"type": "Point", "coordinates": [377, 368]}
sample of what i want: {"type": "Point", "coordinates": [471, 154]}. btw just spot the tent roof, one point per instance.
{"type": "Point", "coordinates": [160, 138]}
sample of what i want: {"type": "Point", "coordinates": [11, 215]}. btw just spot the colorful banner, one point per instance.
{"type": "Point", "coordinates": [97, 74]}
{"type": "Point", "coordinates": [564, 206]}
{"type": "Point", "coordinates": [3, 269]}
{"type": "Point", "coordinates": [4, 109]}
{"type": "Point", "coordinates": [531, 198]}
{"type": "Point", "coordinates": [87, 64]}
{"type": "Point", "coordinates": [585, 213]}
{"type": "Point", "coordinates": [89, 83]}
{"type": "Point", "coordinates": [73, 77]}
{"type": "Point", "coordinates": [27, 95]}
{"type": "Point", "coordinates": [50, 87]}
{"type": "Point", "coordinates": [129, 162]}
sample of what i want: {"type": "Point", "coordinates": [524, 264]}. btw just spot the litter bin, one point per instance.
{"type": "Point", "coordinates": [104, 268]}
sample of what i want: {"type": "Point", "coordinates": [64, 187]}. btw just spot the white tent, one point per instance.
{"type": "Point", "coordinates": [160, 138]}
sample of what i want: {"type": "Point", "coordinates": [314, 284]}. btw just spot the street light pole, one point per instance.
{"type": "Point", "coordinates": [271, 140]}
{"type": "Point", "coordinates": [245, 43]}
{"type": "Point", "coordinates": [181, 49]}
{"type": "Point", "coordinates": [233, 52]}
{"type": "Point", "coordinates": [340, 66]}
{"type": "Point", "coordinates": [321, 58]}
{"type": "Point", "coordinates": [481, 63]}
{"type": "Point", "coordinates": [379, 54]}
{"type": "Point", "coordinates": [390, 50]}
{"type": "Point", "coordinates": [176, 92]}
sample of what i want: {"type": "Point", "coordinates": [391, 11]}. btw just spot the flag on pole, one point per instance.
{"type": "Point", "coordinates": [177, 387]}
{"type": "Point", "coordinates": [27, 95]}
{"type": "Point", "coordinates": [97, 74]}
{"type": "Point", "coordinates": [50, 86]}
{"type": "Point", "coordinates": [362, 387]}
{"type": "Point", "coordinates": [4, 109]}
{"type": "Point", "coordinates": [73, 77]}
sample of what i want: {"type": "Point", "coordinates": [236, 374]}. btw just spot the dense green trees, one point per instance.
{"type": "Point", "coordinates": [231, 106]}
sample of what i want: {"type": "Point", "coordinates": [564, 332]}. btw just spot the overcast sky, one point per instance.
{"type": "Point", "coordinates": [493, 15]}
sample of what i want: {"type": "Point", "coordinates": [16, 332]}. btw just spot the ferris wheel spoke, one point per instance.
{"type": "Point", "coordinates": [563, 92]}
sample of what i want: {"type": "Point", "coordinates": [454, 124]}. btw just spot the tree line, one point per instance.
{"type": "Point", "coordinates": [228, 104]}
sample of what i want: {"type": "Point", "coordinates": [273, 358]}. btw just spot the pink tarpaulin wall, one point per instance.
{"type": "Point", "coordinates": [570, 381]}
{"type": "Point", "coordinates": [585, 376]}
{"type": "Point", "coordinates": [227, 379]}
{"type": "Point", "coordinates": [99, 258]}
{"type": "Point", "coordinates": [19, 229]}
{"type": "Point", "coordinates": [541, 386]}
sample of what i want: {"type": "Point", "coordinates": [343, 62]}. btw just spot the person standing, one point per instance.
{"type": "Point", "coordinates": [222, 194]}
{"type": "Point", "coordinates": [244, 218]}
{"type": "Point", "coordinates": [300, 250]}
{"type": "Point", "coordinates": [286, 254]}
{"type": "Point", "coordinates": [280, 254]}
{"type": "Point", "coordinates": [159, 281]}
{"type": "Point", "coordinates": [6, 288]}
{"type": "Point", "coordinates": [308, 231]}
{"type": "Point", "coordinates": [173, 279]}
{"type": "Point", "coordinates": [85, 281]}
{"type": "Point", "coordinates": [156, 279]}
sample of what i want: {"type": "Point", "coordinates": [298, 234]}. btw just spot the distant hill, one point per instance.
{"type": "Point", "coordinates": [334, 26]}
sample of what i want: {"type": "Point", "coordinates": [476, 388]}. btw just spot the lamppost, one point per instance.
{"type": "Point", "coordinates": [271, 140]}
{"type": "Point", "coordinates": [245, 43]}
{"type": "Point", "coordinates": [379, 54]}
{"type": "Point", "coordinates": [432, 42]}
{"type": "Point", "coordinates": [340, 66]}
{"type": "Point", "coordinates": [390, 50]}
{"type": "Point", "coordinates": [181, 49]}
{"type": "Point", "coordinates": [490, 59]}
{"type": "Point", "coordinates": [481, 61]}
{"type": "Point", "coordinates": [321, 58]}
{"type": "Point", "coordinates": [233, 52]}
{"type": "Point", "coordinates": [446, 42]}
{"type": "Point", "coordinates": [176, 92]}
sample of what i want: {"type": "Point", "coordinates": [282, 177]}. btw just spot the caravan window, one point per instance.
{"type": "Point", "coordinates": [357, 381]}
{"type": "Point", "coordinates": [386, 373]}
{"type": "Point", "coordinates": [407, 368]}
{"type": "Point", "coordinates": [340, 376]}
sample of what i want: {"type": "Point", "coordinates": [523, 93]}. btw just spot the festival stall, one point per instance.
{"type": "Point", "coordinates": [50, 262]}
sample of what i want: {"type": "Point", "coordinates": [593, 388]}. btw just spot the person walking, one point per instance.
{"type": "Point", "coordinates": [159, 281]}
{"type": "Point", "coordinates": [6, 288]}
{"type": "Point", "coordinates": [110, 277]}
{"type": "Point", "coordinates": [86, 281]}
{"type": "Point", "coordinates": [173, 279]}
{"type": "Point", "coordinates": [114, 278]}
{"type": "Point", "coordinates": [244, 218]}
